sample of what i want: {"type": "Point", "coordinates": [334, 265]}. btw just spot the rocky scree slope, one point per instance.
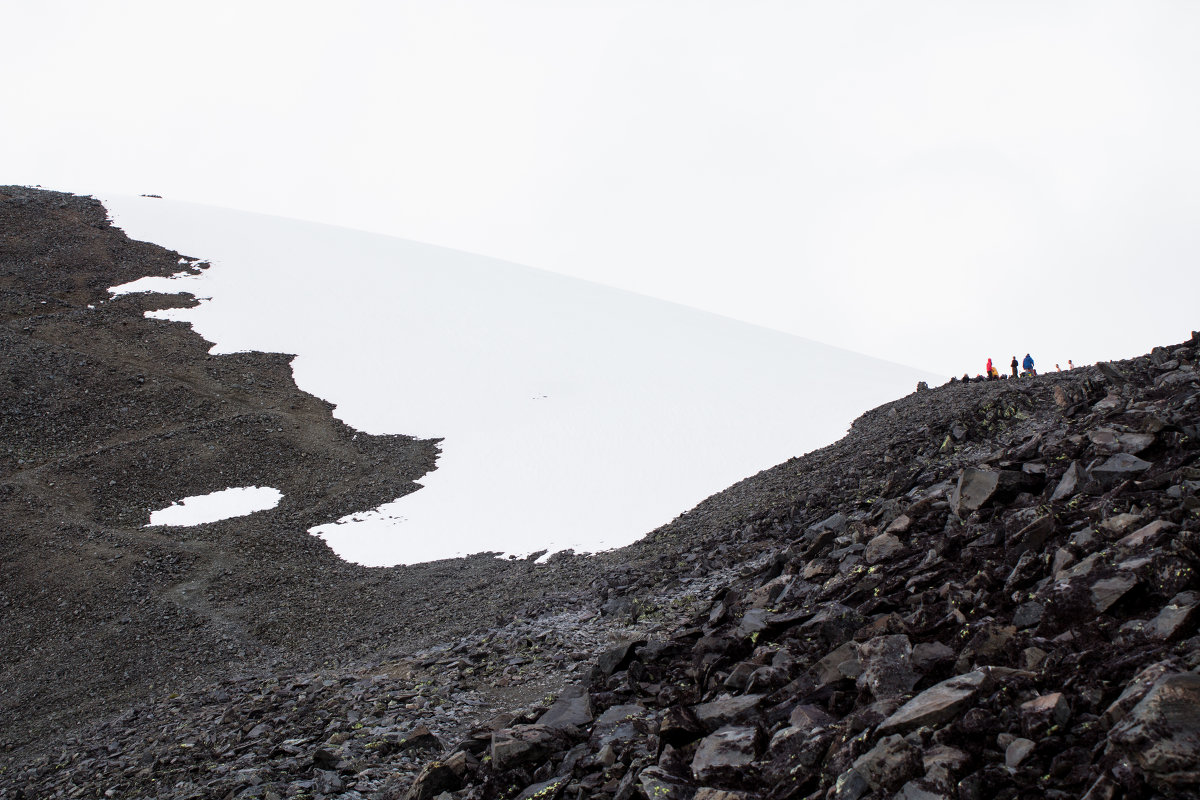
{"type": "Point", "coordinates": [1006, 609]}
{"type": "Point", "coordinates": [982, 590]}
{"type": "Point", "coordinates": [107, 415]}
{"type": "Point", "coordinates": [1012, 613]}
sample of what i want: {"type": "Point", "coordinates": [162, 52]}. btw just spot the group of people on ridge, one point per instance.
{"type": "Point", "coordinates": [1026, 367]}
{"type": "Point", "coordinates": [993, 374]}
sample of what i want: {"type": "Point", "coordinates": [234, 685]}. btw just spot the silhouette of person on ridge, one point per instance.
{"type": "Point", "coordinates": [1014, 366]}
{"type": "Point", "coordinates": [1028, 364]}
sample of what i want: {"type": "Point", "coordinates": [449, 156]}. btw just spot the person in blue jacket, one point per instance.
{"type": "Point", "coordinates": [1028, 364]}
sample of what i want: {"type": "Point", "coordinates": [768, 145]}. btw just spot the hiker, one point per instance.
{"type": "Point", "coordinates": [992, 372]}
{"type": "Point", "coordinates": [1028, 364]}
{"type": "Point", "coordinates": [1070, 364]}
{"type": "Point", "coordinates": [1014, 366]}
{"type": "Point", "coordinates": [1057, 368]}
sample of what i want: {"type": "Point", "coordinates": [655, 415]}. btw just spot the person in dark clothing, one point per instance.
{"type": "Point", "coordinates": [1014, 366]}
{"type": "Point", "coordinates": [1028, 364]}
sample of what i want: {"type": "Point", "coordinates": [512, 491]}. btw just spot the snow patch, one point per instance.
{"type": "Point", "coordinates": [216, 506]}
{"type": "Point", "coordinates": [573, 415]}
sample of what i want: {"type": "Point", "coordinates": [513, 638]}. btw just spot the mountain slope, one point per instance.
{"type": "Point", "coordinates": [1032, 542]}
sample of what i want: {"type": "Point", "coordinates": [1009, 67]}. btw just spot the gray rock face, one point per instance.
{"type": "Point", "coordinates": [841, 662]}
{"type": "Point", "coordinates": [1162, 733]}
{"type": "Point", "coordinates": [1109, 440]}
{"type": "Point", "coordinates": [915, 791]}
{"type": "Point", "coordinates": [936, 704]}
{"type": "Point", "coordinates": [1068, 484]}
{"type": "Point", "coordinates": [1118, 468]}
{"type": "Point", "coordinates": [1017, 751]}
{"type": "Point", "coordinates": [1147, 535]}
{"type": "Point", "coordinates": [1043, 713]}
{"type": "Point", "coordinates": [1028, 615]}
{"type": "Point", "coordinates": [1105, 593]}
{"type": "Point", "coordinates": [927, 655]}
{"type": "Point", "coordinates": [850, 785]}
{"type": "Point", "coordinates": [882, 547]}
{"type": "Point", "coordinates": [979, 487]}
{"type": "Point", "coordinates": [886, 666]}
{"type": "Point", "coordinates": [724, 750]}
{"type": "Point", "coordinates": [807, 717]}
{"type": "Point", "coordinates": [975, 487]}
{"type": "Point", "coordinates": [434, 779]}
{"type": "Point", "coordinates": [522, 744]}
{"type": "Point", "coordinates": [943, 766]}
{"type": "Point", "coordinates": [1176, 618]}
{"type": "Point", "coordinates": [834, 623]}
{"type": "Point", "coordinates": [726, 710]}
{"type": "Point", "coordinates": [573, 708]}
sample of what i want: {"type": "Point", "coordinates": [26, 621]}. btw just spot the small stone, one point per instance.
{"type": "Point", "coordinates": [1032, 658]}
{"type": "Point", "coordinates": [1028, 615]}
{"type": "Point", "coordinates": [1120, 523]}
{"type": "Point", "coordinates": [723, 751]}
{"type": "Point", "coordinates": [936, 704]}
{"type": "Point", "coordinates": [927, 655]}
{"type": "Point", "coordinates": [1118, 468]}
{"type": "Point", "coordinates": [807, 717]}
{"type": "Point", "coordinates": [726, 710]}
{"type": "Point", "coordinates": [834, 667]}
{"type": "Point", "coordinates": [883, 547]}
{"type": "Point", "coordinates": [1042, 713]}
{"type": "Point", "coordinates": [1067, 485]}
{"type": "Point", "coordinates": [1106, 593]}
{"type": "Point", "coordinates": [886, 666]}
{"type": "Point", "coordinates": [913, 790]}
{"type": "Point", "coordinates": [1176, 618]}
{"type": "Point", "coordinates": [1017, 752]}
{"type": "Point", "coordinates": [521, 744]}
{"type": "Point", "coordinates": [1147, 535]}
{"type": "Point", "coordinates": [709, 793]}
{"type": "Point", "coordinates": [943, 764]}
{"type": "Point", "coordinates": [1063, 558]}
{"type": "Point", "coordinates": [572, 708]}
{"type": "Point", "coordinates": [850, 786]}
{"type": "Point", "coordinates": [891, 762]}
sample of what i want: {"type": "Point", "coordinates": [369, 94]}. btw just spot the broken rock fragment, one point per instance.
{"type": "Point", "coordinates": [725, 750]}
{"type": "Point", "coordinates": [936, 704]}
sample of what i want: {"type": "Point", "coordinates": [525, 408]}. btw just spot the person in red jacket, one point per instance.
{"type": "Point", "coordinates": [992, 373]}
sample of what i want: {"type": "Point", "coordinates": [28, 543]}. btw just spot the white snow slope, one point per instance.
{"type": "Point", "coordinates": [573, 415]}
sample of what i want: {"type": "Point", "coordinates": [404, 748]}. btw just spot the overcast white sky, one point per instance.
{"type": "Point", "coordinates": [928, 182]}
